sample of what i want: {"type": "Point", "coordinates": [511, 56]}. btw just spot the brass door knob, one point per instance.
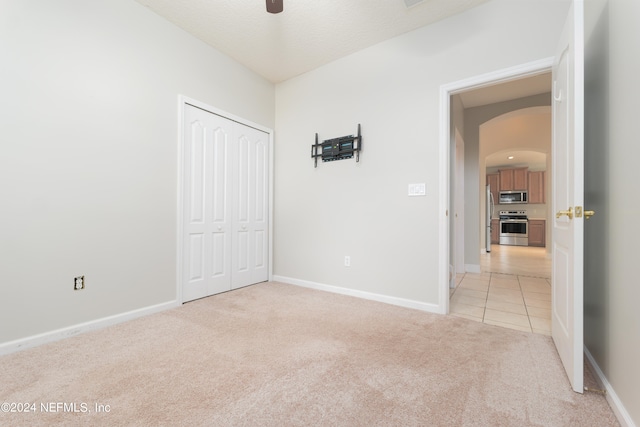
{"type": "Point", "coordinates": [568, 213]}
{"type": "Point", "coordinates": [589, 214]}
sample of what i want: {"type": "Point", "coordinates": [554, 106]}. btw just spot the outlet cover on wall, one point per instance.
{"type": "Point", "coordinates": [419, 189]}
{"type": "Point", "coordinates": [78, 283]}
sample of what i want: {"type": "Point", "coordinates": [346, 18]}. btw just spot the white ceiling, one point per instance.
{"type": "Point", "coordinates": [532, 159]}
{"type": "Point", "coordinates": [308, 34]}
{"type": "Point", "coordinates": [514, 89]}
{"type": "Point", "coordinates": [521, 88]}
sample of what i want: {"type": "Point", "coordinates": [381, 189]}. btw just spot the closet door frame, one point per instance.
{"type": "Point", "coordinates": [182, 102]}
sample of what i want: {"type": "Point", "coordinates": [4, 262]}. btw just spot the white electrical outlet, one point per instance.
{"type": "Point", "coordinates": [347, 261]}
{"type": "Point", "coordinates": [78, 283]}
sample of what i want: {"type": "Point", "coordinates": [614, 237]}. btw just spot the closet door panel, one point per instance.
{"type": "Point", "coordinates": [206, 209]}
{"type": "Point", "coordinates": [226, 204]}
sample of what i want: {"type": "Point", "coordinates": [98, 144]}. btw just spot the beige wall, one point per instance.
{"type": "Point", "coordinates": [392, 89]}
{"type": "Point", "coordinates": [88, 155]}
{"type": "Point", "coordinates": [612, 100]}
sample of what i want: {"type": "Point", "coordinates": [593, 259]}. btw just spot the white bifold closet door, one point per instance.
{"type": "Point", "coordinates": [225, 212]}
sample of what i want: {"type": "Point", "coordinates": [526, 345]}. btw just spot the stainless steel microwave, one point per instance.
{"type": "Point", "coordinates": [511, 197]}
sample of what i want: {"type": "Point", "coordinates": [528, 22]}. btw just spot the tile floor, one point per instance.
{"type": "Point", "coordinates": [513, 290]}
{"type": "Point", "coordinates": [518, 260]}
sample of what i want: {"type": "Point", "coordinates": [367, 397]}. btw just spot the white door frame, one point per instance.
{"type": "Point", "coordinates": [182, 101]}
{"type": "Point", "coordinates": [501, 76]}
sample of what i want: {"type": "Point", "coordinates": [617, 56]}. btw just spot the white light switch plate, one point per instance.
{"type": "Point", "coordinates": [417, 189]}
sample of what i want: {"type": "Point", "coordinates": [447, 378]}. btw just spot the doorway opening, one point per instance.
{"type": "Point", "coordinates": [494, 117]}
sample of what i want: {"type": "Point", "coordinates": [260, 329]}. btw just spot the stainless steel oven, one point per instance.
{"type": "Point", "coordinates": [514, 228]}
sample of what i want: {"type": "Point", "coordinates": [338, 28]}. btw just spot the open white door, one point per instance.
{"type": "Point", "coordinates": [568, 196]}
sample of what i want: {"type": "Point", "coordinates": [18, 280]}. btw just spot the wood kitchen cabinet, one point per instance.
{"type": "Point", "coordinates": [536, 187]}
{"type": "Point", "coordinates": [520, 178]}
{"type": "Point", "coordinates": [495, 231]}
{"type": "Point", "coordinates": [537, 232]}
{"type": "Point", "coordinates": [513, 179]}
{"type": "Point", "coordinates": [493, 179]}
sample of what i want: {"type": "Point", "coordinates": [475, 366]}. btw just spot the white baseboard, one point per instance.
{"type": "Point", "coordinates": [402, 302]}
{"type": "Point", "coordinates": [472, 268]}
{"type": "Point", "coordinates": [614, 401]}
{"type": "Point", "coordinates": [47, 337]}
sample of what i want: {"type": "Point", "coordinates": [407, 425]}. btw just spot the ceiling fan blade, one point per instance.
{"type": "Point", "coordinates": [275, 6]}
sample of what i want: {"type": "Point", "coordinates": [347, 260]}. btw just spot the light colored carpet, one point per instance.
{"type": "Point", "coordinates": [278, 355]}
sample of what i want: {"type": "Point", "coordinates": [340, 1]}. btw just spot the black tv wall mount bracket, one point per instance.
{"type": "Point", "coordinates": [339, 148]}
